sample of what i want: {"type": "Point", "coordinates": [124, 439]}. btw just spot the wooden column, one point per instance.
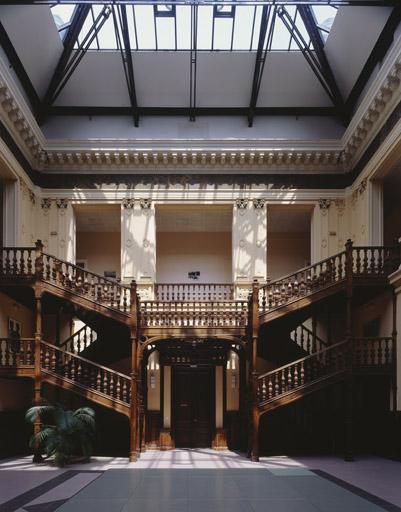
{"type": "Point", "coordinates": [349, 384]}
{"type": "Point", "coordinates": [394, 353]}
{"type": "Point", "coordinates": [38, 335]}
{"type": "Point", "coordinates": [254, 373]}
{"type": "Point", "coordinates": [134, 431]}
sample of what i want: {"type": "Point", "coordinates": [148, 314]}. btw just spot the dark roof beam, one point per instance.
{"type": "Point", "coordinates": [308, 53]}
{"type": "Point", "coordinates": [193, 62]}
{"type": "Point", "coordinates": [263, 46]}
{"type": "Point", "coordinates": [77, 22]}
{"type": "Point", "coordinates": [309, 21]}
{"type": "Point", "coordinates": [120, 19]}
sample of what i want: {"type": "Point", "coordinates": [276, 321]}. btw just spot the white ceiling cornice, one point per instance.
{"type": "Point", "coordinates": [213, 156]}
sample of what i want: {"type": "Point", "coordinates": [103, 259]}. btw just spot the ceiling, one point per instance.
{"type": "Point", "coordinates": [271, 76]}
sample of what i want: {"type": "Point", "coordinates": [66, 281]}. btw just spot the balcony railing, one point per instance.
{"type": "Point", "coordinates": [194, 292]}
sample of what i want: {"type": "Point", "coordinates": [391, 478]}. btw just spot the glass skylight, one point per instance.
{"type": "Point", "coordinates": [219, 27]}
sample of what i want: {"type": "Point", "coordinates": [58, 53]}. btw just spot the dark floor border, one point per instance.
{"type": "Point", "coordinates": [358, 491]}
{"type": "Point", "coordinates": [28, 496]}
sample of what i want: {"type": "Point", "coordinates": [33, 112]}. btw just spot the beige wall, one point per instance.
{"type": "Point", "coordinates": [287, 252]}
{"type": "Point", "coordinates": [101, 250]}
{"type": "Point", "coordinates": [180, 253]}
{"type": "Point", "coordinates": [9, 308]}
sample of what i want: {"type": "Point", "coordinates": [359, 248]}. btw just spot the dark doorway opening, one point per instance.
{"type": "Point", "coordinates": [193, 391]}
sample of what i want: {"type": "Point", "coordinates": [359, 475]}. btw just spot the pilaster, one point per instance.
{"type": "Point", "coordinates": [249, 239]}
{"type": "Point", "coordinates": [138, 244]}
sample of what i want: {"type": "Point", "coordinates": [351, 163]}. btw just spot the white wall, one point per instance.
{"type": "Point", "coordinates": [180, 253]}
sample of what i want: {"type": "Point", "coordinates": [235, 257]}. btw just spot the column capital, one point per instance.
{"type": "Point", "coordinates": [241, 203]}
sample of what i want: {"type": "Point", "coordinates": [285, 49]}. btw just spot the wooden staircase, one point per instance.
{"type": "Point", "coordinates": [66, 370]}
{"type": "Point", "coordinates": [178, 312]}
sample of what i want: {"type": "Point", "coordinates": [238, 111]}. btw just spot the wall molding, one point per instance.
{"type": "Point", "coordinates": [264, 156]}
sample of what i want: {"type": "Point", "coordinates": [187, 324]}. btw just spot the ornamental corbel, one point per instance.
{"type": "Point", "coordinates": [128, 203]}
{"type": "Point", "coordinates": [362, 186]}
{"type": "Point", "coordinates": [259, 204]}
{"type": "Point", "coordinates": [145, 204]}
{"type": "Point", "coordinates": [241, 204]}
{"type": "Point", "coordinates": [62, 204]}
{"type": "Point", "coordinates": [46, 203]}
{"type": "Point", "coordinates": [324, 204]}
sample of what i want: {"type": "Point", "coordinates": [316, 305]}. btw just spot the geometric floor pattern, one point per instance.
{"type": "Point", "coordinates": [202, 481]}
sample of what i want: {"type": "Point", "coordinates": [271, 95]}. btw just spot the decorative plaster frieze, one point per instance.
{"type": "Point", "coordinates": [387, 92]}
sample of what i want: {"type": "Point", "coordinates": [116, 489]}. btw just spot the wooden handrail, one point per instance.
{"type": "Point", "coordinates": [76, 337]}
{"type": "Point", "coordinates": [83, 359]}
{"type": "Point", "coordinates": [311, 339]}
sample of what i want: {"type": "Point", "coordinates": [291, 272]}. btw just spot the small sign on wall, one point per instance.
{"type": "Point", "coordinates": [195, 274]}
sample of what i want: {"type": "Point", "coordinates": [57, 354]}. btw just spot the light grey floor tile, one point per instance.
{"type": "Point", "coordinates": [142, 505]}
{"type": "Point", "coordinates": [220, 506]}
{"type": "Point", "coordinates": [283, 506]}
{"type": "Point", "coordinates": [93, 505]}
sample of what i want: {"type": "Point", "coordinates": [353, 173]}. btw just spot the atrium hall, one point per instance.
{"type": "Point", "coordinates": [200, 235]}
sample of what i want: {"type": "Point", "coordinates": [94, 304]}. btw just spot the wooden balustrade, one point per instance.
{"type": "Point", "coordinates": [322, 364]}
{"type": "Point", "coordinates": [81, 371]}
{"type": "Point", "coordinates": [302, 283]}
{"type": "Point", "coordinates": [193, 292]}
{"type": "Point", "coordinates": [80, 340]}
{"type": "Point", "coordinates": [17, 261]}
{"type": "Point", "coordinates": [16, 352]}
{"type": "Point", "coordinates": [306, 340]}
{"type": "Point", "coordinates": [373, 352]}
{"type": "Point", "coordinates": [374, 261]}
{"type": "Point", "coordinates": [93, 286]}
{"type": "Point", "coordinates": [194, 314]}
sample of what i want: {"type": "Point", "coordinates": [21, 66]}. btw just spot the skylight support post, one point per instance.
{"type": "Point", "coordinates": [126, 56]}
{"type": "Point", "coordinates": [312, 58]}
{"type": "Point", "coordinates": [77, 22]}
{"type": "Point", "coordinates": [263, 46]}
{"type": "Point", "coordinates": [318, 45]}
{"type": "Point", "coordinates": [193, 62]}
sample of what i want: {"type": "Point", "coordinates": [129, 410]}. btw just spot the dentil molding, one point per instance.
{"type": "Point", "coordinates": [265, 156]}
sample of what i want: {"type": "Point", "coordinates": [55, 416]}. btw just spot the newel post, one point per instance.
{"type": "Point", "coordinates": [349, 387]}
{"type": "Point", "coordinates": [134, 372]}
{"type": "Point", "coordinates": [38, 291]}
{"type": "Point", "coordinates": [254, 372]}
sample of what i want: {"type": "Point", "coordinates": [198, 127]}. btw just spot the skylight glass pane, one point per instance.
{"type": "Point", "coordinates": [145, 27]}
{"type": "Point", "coordinates": [324, 15]}
{"type": "Point", "coordinates": [281, 36]}
{"type": "Point", "coordinates": [165, 33]}
{"type": "Point", "coordinates": [205, 27]}
{"type": "Point", "coordinates": [106, 36]}
{"type": "Point", "coordinates": [62, 14]}
{"type": "Point", "coordinates": [222, 33]}
{"type": "Point", "coordinates": [243, 27]}
{"type": "Point", "coordinates": [256, 31]}
{"type": "Point", "coordinates": [183, 17]}
{"type": "Point", "coordinates": [131, 28]}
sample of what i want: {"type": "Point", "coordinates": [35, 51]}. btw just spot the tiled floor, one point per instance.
{"type": "Point", "coordinates": [202, 480]}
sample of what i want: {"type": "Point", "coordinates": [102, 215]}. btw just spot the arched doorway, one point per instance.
{"type": "Point", "coordinates": [194, 393]}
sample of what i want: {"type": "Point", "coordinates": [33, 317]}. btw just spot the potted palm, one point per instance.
{"type": "Point", "coordinates": [64, 434]}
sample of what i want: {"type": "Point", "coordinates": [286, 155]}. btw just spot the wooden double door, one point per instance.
{"type": "Point", "coordinates": [193, 418]}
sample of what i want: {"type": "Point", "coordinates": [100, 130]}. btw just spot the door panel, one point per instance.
{"type": "Point", "coordinates": [192, 406]}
